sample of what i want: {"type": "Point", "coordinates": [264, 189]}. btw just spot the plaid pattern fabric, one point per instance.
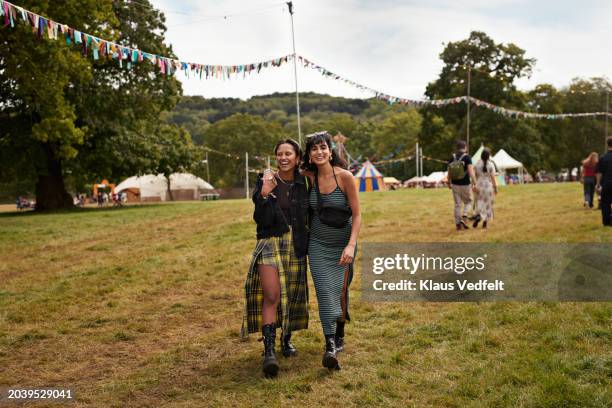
{"type": "Point", "coordinates": [292, 311]}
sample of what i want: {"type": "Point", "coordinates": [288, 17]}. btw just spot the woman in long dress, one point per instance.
{"type": "Point", "coordinates": [331, 250]}
{"type": "Point", "coordinates": [485, 189]}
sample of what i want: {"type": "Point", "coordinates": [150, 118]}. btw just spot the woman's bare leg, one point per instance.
{"type": "Point", "coordinates": [270, 284]}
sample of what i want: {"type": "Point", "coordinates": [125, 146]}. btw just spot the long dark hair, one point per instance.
{"type": "Point", "coordinates": [486, 153]}
{"type": "Point", "coordinates": [316, 138]}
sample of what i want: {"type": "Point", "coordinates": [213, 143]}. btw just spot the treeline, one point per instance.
{"type": "Point", "coordinates": [379, 131]}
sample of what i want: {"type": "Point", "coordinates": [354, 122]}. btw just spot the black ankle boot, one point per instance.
{"type": "Point", "coordinates": [288, 347]}
{"type": "Point", "coordinates": [330, 360]}
{"type": "Point", "coordinates": [476, 221]}
{"type": "Point", "coordinates": [339, 337]}
{"type": "Point", "coordinates": [270, 363]}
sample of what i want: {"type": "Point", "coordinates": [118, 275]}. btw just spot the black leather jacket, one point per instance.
{"type": "Point", "coordinates": [270, 220]}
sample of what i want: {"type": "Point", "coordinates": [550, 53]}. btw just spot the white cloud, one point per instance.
{"type": "Point", "coordinates": [392, 46]}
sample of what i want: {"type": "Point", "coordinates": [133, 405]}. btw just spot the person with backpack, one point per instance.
{"type": "Point", "coordinates": [460, 178]}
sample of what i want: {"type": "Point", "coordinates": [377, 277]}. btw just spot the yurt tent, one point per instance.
{"type": "Point", "coordinates": [149, 187]}
{"type": "Point", "coordinates": [368, 178]}
{"type": "Point", "coordinates": [504, 161]}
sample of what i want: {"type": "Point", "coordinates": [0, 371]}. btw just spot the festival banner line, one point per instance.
{"type": "Point", "coordinates": [99, 48]}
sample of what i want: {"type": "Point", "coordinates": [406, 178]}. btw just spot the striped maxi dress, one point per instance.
{"type": "Point", "coordinates": [325, 248]}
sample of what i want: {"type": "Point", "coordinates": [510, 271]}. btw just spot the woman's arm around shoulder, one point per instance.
{"type": "Point", "coordinates": [308, 173]}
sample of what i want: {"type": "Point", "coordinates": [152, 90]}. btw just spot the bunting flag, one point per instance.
{"type": "Point", "coordinates": [515, 114]}
{"type": "Point", "coordinates": [99, 48]}
{"type": "Point", "coordinates": [125, 56]}
{"type": "Point", "coordinates": [434, 160]}
{"type": "Point", "coordinates": [379, 95]}
{"type": "Point", "coordinates": [387, 161]}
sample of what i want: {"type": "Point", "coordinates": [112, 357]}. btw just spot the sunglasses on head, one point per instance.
{"type": "Point", "coordinates": [321, 133]}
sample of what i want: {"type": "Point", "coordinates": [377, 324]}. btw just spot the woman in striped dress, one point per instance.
{"type": "Point", "coordinates": [331, 250]}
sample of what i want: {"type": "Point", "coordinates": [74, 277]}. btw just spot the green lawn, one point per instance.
{"type": "Point", "coordinates": [142, 306]}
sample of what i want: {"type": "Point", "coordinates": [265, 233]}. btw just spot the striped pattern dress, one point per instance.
{"type": "Point", "coordinates": [325, 248]}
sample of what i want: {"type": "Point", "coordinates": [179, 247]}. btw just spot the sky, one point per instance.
{"type": "Point", "coordinates": [390, 45]}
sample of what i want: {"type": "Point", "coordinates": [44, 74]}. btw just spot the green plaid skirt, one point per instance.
{"type": "Point", "coordinates": [292, 312]}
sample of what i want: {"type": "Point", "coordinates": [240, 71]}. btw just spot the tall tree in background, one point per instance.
{"type": "Point", "coordinates": [68, 113]}
{"type": "Point", "coordinates": [584, 135]}
{"type": "Point", "coordinates": [494, 69]}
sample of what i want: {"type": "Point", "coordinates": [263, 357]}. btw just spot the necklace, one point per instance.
{"type": "Point", "coordinates": [289, 185]}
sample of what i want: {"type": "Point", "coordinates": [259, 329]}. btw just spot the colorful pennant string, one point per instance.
{"type": "Point", "coordinates": [99, 49]}
{"type": "Point", "coordinates": [515, 114]}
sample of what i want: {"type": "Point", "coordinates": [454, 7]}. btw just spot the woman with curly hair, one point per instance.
{"type": "Point", "coordinates": [276, 290]}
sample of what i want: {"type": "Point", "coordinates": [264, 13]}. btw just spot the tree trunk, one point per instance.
{"type": "Point", "coordinates": [51, 192]}
{"type": "Point", "coordinates": [170, 197]}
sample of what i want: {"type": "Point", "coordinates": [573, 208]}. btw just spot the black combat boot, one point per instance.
{"type": "Point", "coordinates": [270, 363]}
{"type": "Point", "coordinates": [288, 347]}
{"type": "Point", "coordinates": [339, 337]}
{"type": "Point", "coordinates": [330, 360]}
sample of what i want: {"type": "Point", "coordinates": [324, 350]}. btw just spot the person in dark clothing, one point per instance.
{"type": "Point", "coordinates": [461, 179]}
{"type": "Point", "coordinates": [276, 289]}
{"type": "Point", "coordinates": [604, 183]}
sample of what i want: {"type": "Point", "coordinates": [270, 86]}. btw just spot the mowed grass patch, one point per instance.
{"type": "Point", "coordinates": [142, 306]}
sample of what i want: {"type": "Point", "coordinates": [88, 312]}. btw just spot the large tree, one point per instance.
{"type": "Point", "coordinates": [64, 112]}
{"type": "Point", "coordinates": [493, 68]}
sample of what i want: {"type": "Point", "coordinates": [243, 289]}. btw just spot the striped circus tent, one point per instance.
{"type": "Point", "coordinates": [368, 178]}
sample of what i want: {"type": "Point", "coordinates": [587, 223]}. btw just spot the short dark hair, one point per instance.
{"type": "Point", "coordinates": [316, 138]}
{"type": "Point", "coordinates": [609, 141]}
{"type": "Point", "coordinates": [461, 144]}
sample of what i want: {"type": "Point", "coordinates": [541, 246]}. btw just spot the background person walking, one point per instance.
{"type": "Point", "coordinates": [604, 183]}
{"type": "Point", "coordinates": [460, 175]}
{"type": "Point", "coordinates": [485, 189]}
{"type": "Point", "coordinates": [589, 169]}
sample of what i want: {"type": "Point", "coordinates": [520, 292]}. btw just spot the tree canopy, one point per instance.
{"type": "Point", "coordinates": [66, 113]}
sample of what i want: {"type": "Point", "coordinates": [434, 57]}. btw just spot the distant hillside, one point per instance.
{"type": "Point", "coordinates": [196, 113]}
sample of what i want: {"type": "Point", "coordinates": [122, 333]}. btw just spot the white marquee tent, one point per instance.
{"type": "Point", "coordinates": [154, 188]}
{"type": "Point", "coordinates": [436, 178]}
{"type": "Point", "coordinates": [504, 162]}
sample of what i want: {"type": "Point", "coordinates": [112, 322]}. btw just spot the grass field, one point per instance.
{"type": "Point", "coordinates": [142, 306]}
